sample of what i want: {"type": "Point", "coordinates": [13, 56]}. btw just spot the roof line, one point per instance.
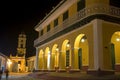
{"type": "Point", "coordinates": [61, 2]}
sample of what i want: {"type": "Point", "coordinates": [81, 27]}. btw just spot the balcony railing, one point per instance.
{"type": "Point", "coordinates": [95, 9]}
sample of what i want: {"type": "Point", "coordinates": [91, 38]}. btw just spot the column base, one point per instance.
{"type": "Point", "coordinates": [56, 69]}
{"type": "Point", "coordinates": [100, 72]}
{"type": "Point", "coordinates": [74, 70]}
{"type": "Point", "coordinates": [52, 70]}
{"type": "Point", "coordinates": [37, 71]}
{"type": "Point", "coordinates": [84, 68]}
{"type": "Point", "coordinates": [61, 70]}
{"type": "Point", "coordinates": [117, 68]}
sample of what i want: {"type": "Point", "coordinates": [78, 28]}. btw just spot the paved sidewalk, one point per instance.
{"type": "Point", "coordinates": [19, 76]}
{"type": "Point", "coordinates": [72, 76]}
{"type": "Point", "coordinates": [15, 75]}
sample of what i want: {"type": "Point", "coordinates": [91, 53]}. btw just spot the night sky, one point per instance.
{"type": "Point", "coordinates": [21, 16]}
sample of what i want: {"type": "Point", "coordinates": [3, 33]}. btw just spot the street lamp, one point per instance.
{"type": "Point", "coordinates": [68, 44]}
{"type": "Point", "coordinates": [83, 39]}
{"type": "Point", "coordinates": [117, 39]}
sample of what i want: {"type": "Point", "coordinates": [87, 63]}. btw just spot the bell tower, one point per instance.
{"type": "Point", "coordinates": [19, 60]}
{"type": "Point", "coordinates": [21, 50]}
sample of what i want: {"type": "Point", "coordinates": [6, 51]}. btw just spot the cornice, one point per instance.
{"type": "Point", "coordinates": [58, 10]}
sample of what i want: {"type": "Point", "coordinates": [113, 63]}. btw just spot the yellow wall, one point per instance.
{"type": "Point", "coordinates": [117, 46]}
{"type": "Point", "coordinates": [92, 2]}
{"type": "Point", "coordinates": [40, 65]}
{"type": "Point", "coordinates": [23, 65]}
{"type": "Point", "coordinates": [85, 56]}
{"type": "Point", "coordinates": [108, 30]}
{"type": "Point", "coordinates": [73, 9]}
{"type": "Point", "coordinates": [52, 25]}
{"type": "Point", "coordinates": [60, 19]}
{"type": "Point", "coordinates": [72, 36]}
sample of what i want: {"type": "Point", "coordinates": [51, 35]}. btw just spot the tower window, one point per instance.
{"type": "Point", "coordinates": [21, 45]}
{"type": "Point", "coordinates": [21, 40]}
{"type": "Point", "coordinates": [19, 62]}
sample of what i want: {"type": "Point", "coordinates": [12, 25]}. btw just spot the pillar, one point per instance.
{"type": "Point", "coordinates": [36, 59]}
{"type": "Point", "coordinates": [98, 66]}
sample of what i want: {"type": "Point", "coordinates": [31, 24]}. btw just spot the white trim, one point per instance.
{"type": "Point", "coordinates": [98, 51]}
{"type": "Point", "coordinates": [36, 60]}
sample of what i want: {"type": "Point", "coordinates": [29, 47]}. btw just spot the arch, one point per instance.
{"type": "Point", "coordinates": [55, 57]}
{"type": "Point", "coordinates": [65, 55]}
{"type": "Point", "coordinates": [81, 52]}
{"type": "Point", "coordinates": [40, 59]}
{"type": "Point", "coordinates": [47, 58]}
{"type": "Point", "coordinates": [115, 50]}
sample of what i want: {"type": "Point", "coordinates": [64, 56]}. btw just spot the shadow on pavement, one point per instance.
{"type": "Point", "coordinates": [72, 76]}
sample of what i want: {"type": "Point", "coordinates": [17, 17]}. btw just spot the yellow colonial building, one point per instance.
{"type": "Point", "coordinates": [80, 35]}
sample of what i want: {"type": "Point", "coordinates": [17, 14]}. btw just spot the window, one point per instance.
{"type": "Point", "coordinates": [55, 22]}
{"type": "Point", "coordinates": [65, 15]}
{"type": "Point", "coordinates": [80, 5]}
{"type": "Point", "coordinates": [19, 62]}
{"type": "Point", "coordinates": [41, 33]}
{"type": "Point", "coordinates": [67, 58]}
{"type": "Point", "coordinates": [21, 45]}
{"type": "Point", "coordinates": [21, 40]}
{"type": "Point", "coordinates": [115, 3]}
{"type": "Point", "coordinates": [48, 28]}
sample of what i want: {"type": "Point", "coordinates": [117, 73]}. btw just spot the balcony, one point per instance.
{"type": "Point", "coordinates": [86, 12]}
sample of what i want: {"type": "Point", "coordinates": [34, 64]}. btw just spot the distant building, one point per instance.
{"type": "Point", "coordinates": [31, 63]}
{"type": "Point", "coordinates": [80, 35]}
{"type": "Point", "coordinates": [3, 61]}
{"type": "Point", "coordinates": [19, 61]}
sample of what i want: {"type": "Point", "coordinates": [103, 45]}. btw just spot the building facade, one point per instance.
{"type": "Point", "coordinates": [31, 63]}
{"type": "Point", "coordinates": [3, 62]}
{"type": "Point", "coordinates": [79, 35]}
{"type": "Point", "coordinates": [18, 60]}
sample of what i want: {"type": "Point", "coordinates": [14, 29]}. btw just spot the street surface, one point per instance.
{"type": "Point", "coordinates": [59, 76]}
{"type": "Point", "coordinates": [19, 76]}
